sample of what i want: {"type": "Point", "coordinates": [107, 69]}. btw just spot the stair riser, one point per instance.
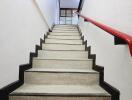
{"type": "Point", "coordinates": [62, 47]}
{"type": "Point", "coordinates": [65, 31]}
{"type": "Point", "coordinates": [65, 34]}
{"type": "Point", "coordinates": [64, 37]}
{"type": "Point", "coordinates": [62, 29]}
{"type": "Point", "coordinates": [62, 54]}
{"type": "Point", "coordinates": [63, 41]}
{"type": "Point", "coordinates": [61, 78]}
{"type": "Point", "coordinates": [63, 64]}
{"type": "Point", "coordinates": [66, 28]}
{"type": "Point", "coordinates": [57, 98]}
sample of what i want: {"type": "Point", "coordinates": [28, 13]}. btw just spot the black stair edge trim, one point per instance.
{"type": "Point", "coordinates": [63, 39]}
{"type": "Point", "coordinates": [82, 37]}
{"type": "Point", "coordinates": [115, 93]}
{"type": "Point", "coordinates": [52, 27]}
{"type": "Point", "coordinates": [5, 91]}
{"type": "Point", "coordinates": [63, 72]}
{"type": "Point", "coordinates": [119, 41]}
{"type": "Point", "coordinates": [60, 94]}
{"type": "Point", "coordinates": [80, 6]}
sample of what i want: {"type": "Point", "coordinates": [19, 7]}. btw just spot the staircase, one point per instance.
{"type": "Point", "coordinates": [62, 70]}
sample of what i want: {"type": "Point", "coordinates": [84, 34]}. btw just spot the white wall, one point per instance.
{"type": "Point", "coordinates": [115, 59]}
{"type": "Point", "coordinates": [21, 27]}
{"type": "Point", "coordinates": [49, 10]}
{"type": "Point", "coordinates": [69, 3]}
{"type": "Point", "coordinates": [57, 12]}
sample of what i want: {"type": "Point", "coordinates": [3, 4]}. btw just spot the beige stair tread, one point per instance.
{"type": "Point", "coordinates": [57, 54]}
{"type": "Point", "coordinates": [47, 46]}
{"type": "Point", "coordinates": [62, 77]}
{"type": "Point", "coordinates": [75, 29]}
{"type": "Point", "coordinates": [65, 31]}
{"type": "Point", "coordinates": [68, 32]}
{"type": "Point", "coordinates": [64, 34]}
{"type": "Point", "coordinates": [64, 37]}
{"type": "Point", "coordinates": [34, 89]}
{"type": "Point", "coordinates": [79, 59]}
{"type": "Point", "coordinates": [63, 41]}
{"type": "Point", "coordinates": [63, 63]}
{"type": "Point", "coordinates": [65, 28]}
{"type": "Point", "coordinates": [65, 25]}
{"type": "Point", "coordinates": [61, 70]}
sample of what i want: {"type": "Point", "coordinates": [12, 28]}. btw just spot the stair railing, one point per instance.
{"type": "Point", "coordinates": [125, 37]}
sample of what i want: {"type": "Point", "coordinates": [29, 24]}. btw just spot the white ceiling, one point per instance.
{"type": "Point", "coordinates": [69, 3]}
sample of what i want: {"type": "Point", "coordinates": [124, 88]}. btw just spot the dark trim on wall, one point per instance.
{"type": "Point", "coordinates": [118, 41]}
{"type": "Point", "coordinates": [115, 93]}
{"type": "Point", "coordinates": [68, 8]}
{"type": "Point", "coordinates": [5, 91]}
{"type": "Point", "coordinates": [59, 11]}
{"type": "Point", "coordinates": [50, 30]}
{"type": "Point", "coordinates": [80, 5]}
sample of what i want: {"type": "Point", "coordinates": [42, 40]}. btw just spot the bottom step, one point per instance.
{"type": "Point", "coordinates": [59, 92]}
{"type": "Point", "coordinates": [57, 98]}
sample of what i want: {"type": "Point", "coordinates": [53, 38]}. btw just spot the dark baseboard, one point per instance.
{"type": "Point", "coordinates": [81, 3]}
{"type": "Point", "coordinates": [50, 30]}
{"type": "Point", "coordinates": [115, 93]}
{"type": "Point", "coordinates": [5, 91]}
{"type": "Point", "coordinates": [118, 41]}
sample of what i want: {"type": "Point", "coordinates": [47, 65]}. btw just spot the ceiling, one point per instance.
{"type": "Point", "coordinates": [69, 3]}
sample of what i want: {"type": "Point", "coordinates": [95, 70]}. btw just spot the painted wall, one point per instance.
{"type": "Point", "coordinates": [49, 10]}
{"type": "Point", "coordinates": [69, 3]}
{"type": "Point", "coordinates": [57, 12]}
{"type": "Point", "coordinates": [115, 59]}
{"type": "Point", "coordinates": [21, 27]}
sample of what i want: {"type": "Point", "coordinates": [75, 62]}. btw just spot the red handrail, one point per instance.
{"type": "Point", "coordinates": [127, 38]}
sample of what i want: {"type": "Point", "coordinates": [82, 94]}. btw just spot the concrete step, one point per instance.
{"type": "Point", "coordinates": [56, 70]}
{"type": "Point", "coordinates": [63, 26]}
{"type": "Point", "coordinates": [66, 28]}
{"type": "Point", "coordinates": [59, 92]}
{"type": "Point", "coordinates": [64, 34]}
{"type": "Point", "coordinates": [61, 77]}
{"type": "Point", "coordinates": [48, 54]}
{"type": "Point", "coordinates": [62, 70]}
{"type": "Point", "coordinates": [64, 37]}
{"type": "Point", "coordinates": [65, 31]}
{"type": "Point", "coordinates": [62, 47]}
{"type": "Point", "coordinates": [58, 41]}
{"type": "Point", "coordinates": [62, 64]}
